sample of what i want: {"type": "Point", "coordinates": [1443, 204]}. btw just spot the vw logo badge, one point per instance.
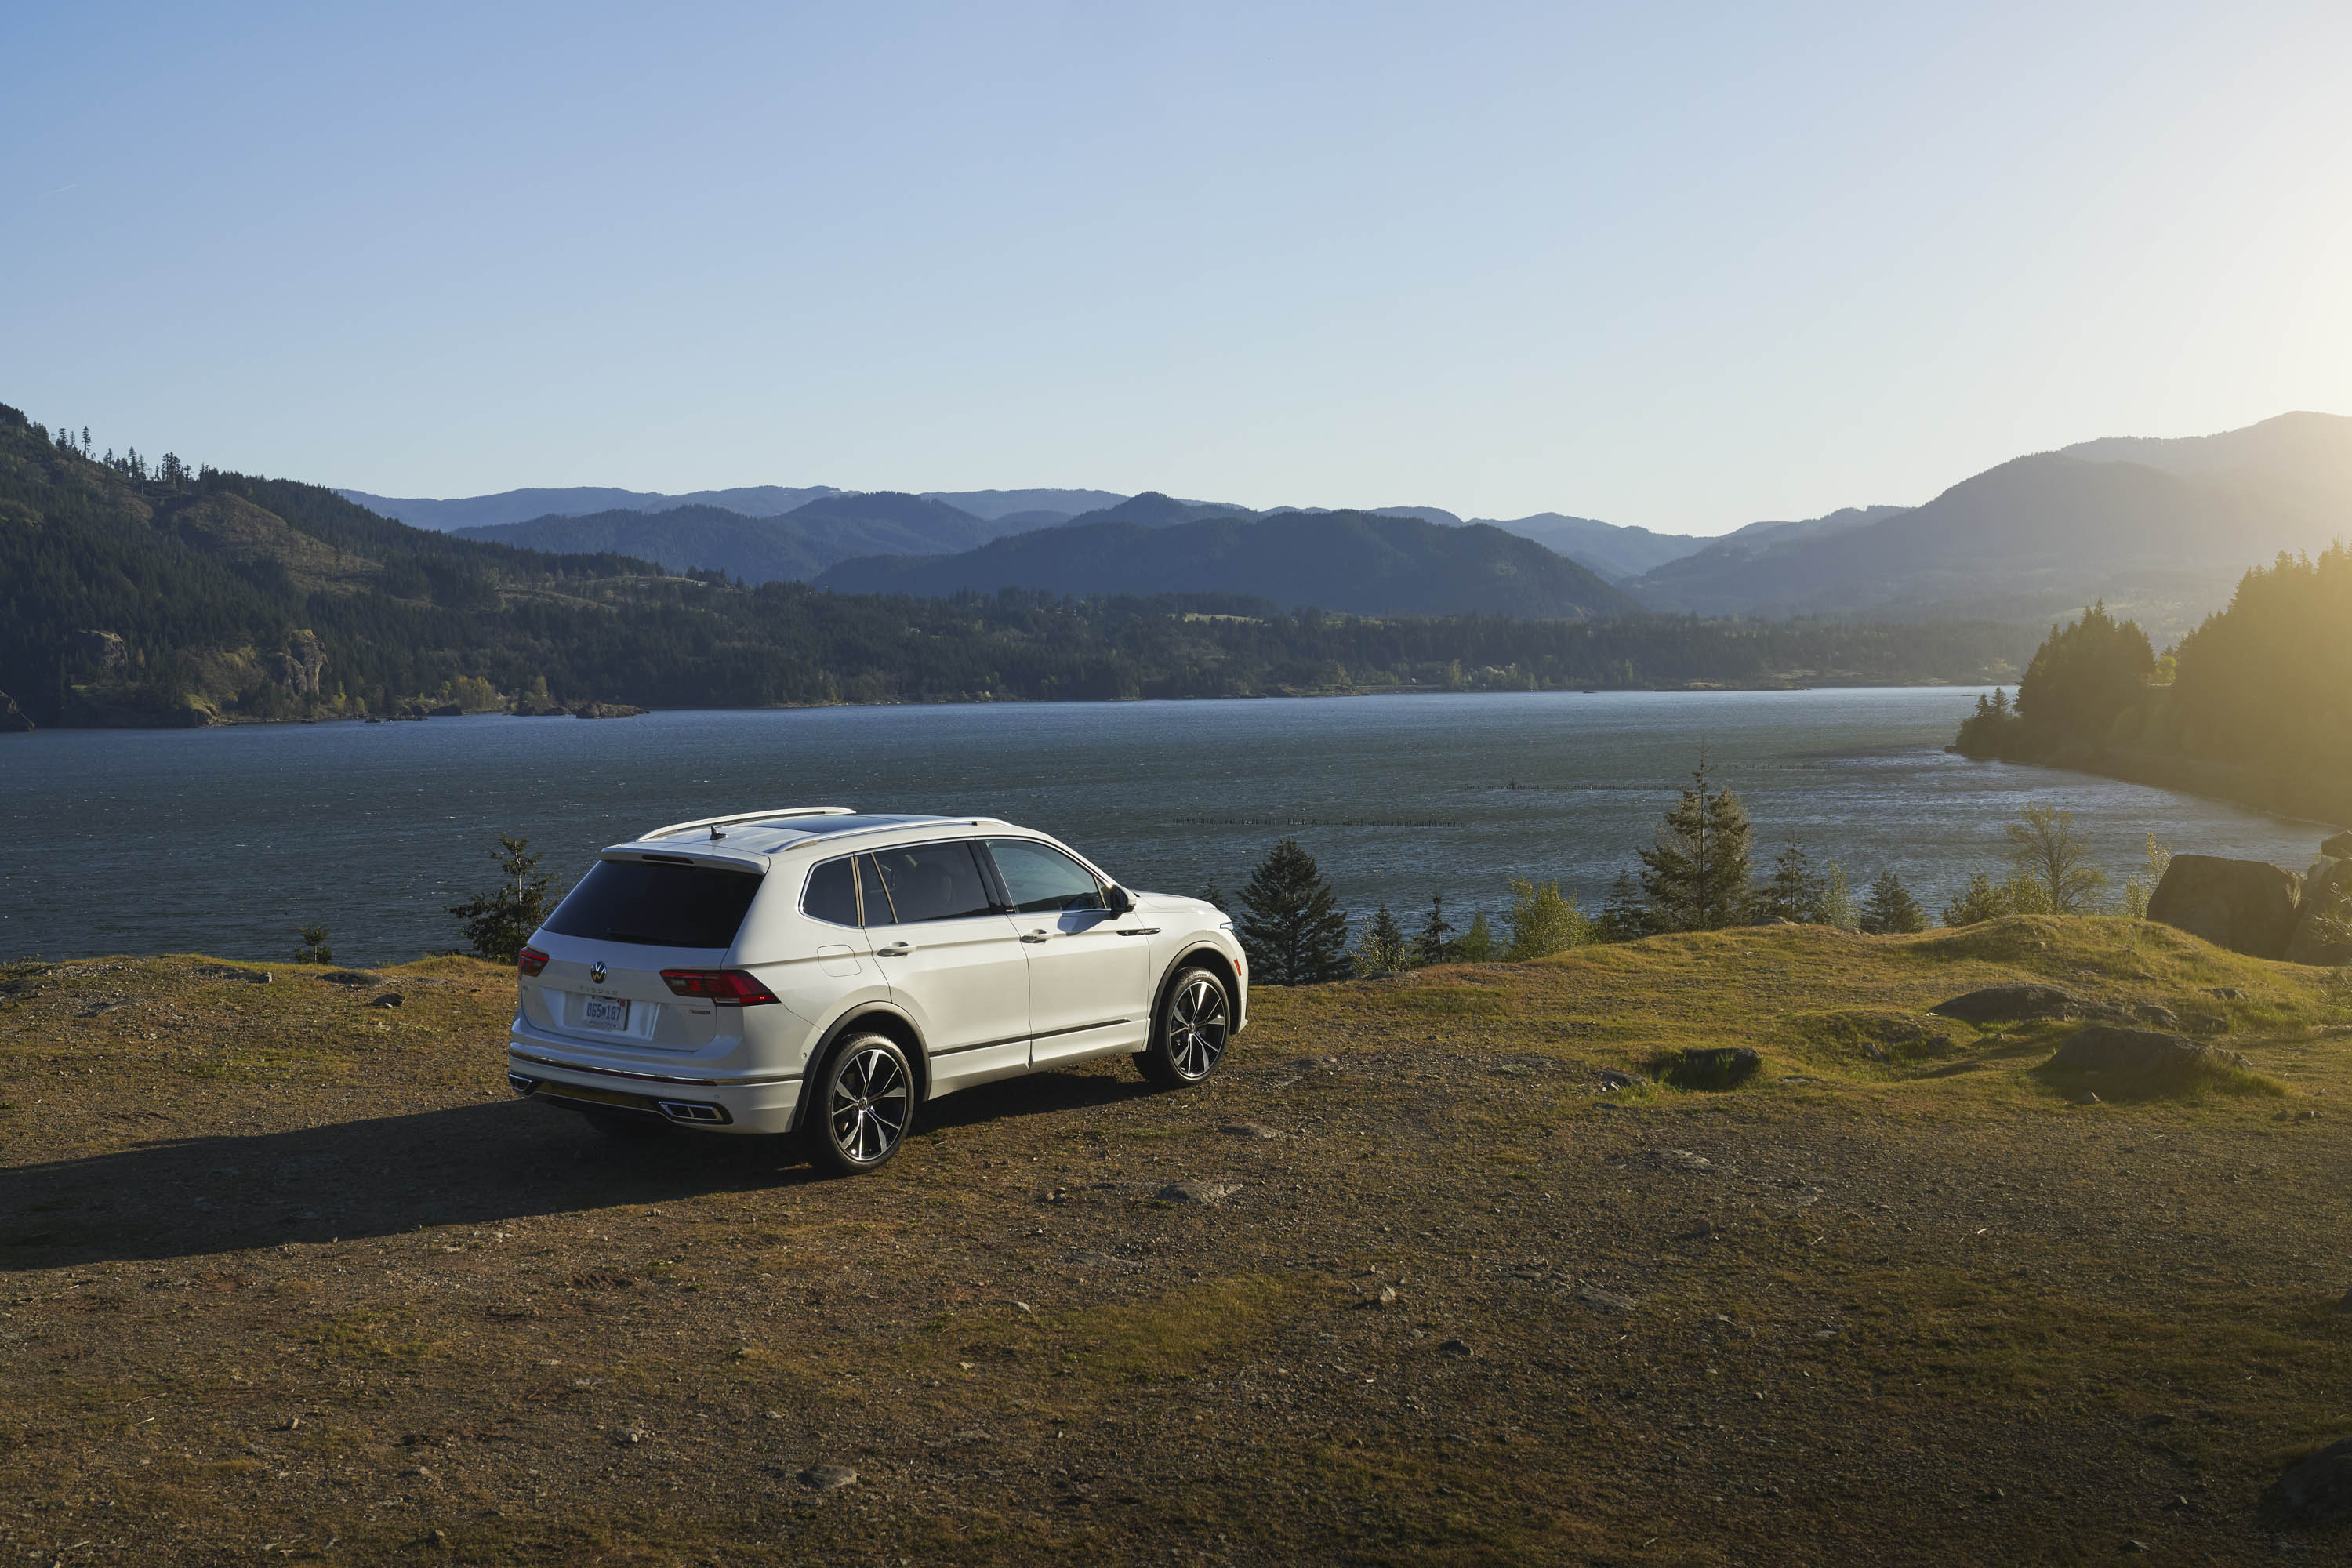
{"type": "Point", "coordinates": [598, 972]}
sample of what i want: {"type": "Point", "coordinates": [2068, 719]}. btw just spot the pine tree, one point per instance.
{"type": "Point", "coordinates": [1291, 925]}
{"type": "Point", "coordinates": [1696, 874]}
{"type": "Point", "coordinates": [1212, 895]}
{"type": "Point", "coordinates": [1477, 944]}
{"type": "Point", "coordinates": [314, 948]}
{"type": "Point", "coordinates": [1383, 949]}
{"type": "Point", "coordinates": [1429, 944]}
{"type": "Point", "coordinates": [1890, 910]}
{"type": "Point", "coordinates": [500, 921]}
{"type": "Point", "coordinates": [1797, 893]}
{"type": "Point", "coordinates": [1624, 918]}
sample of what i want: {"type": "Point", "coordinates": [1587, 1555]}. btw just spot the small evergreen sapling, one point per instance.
{"type": "Point", "coordinates": [1291, 925]}
{"type": "Point", "coordinates": [1475, 945]}
{"type": "Point", "coordinates": [1429, 944]}
{"type": "Point", "coordinates": [1891, 910]}
{"type": "Point", "coordinates": [1695, 875]}
{"type": "Point", "coordinates": [500, 921]}
{"type": "Point", "coordinates": [1797, 893]}
{"type": "Point", "coordinates": [314, 948]}
{"type": "Point", "coordinates": [1383, 949]}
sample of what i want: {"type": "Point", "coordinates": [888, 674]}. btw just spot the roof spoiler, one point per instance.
{"type": "Point", "coordinates": [749, 817]}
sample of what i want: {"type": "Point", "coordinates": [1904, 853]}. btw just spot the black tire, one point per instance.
{"type": "Point", "coordinates": [861, 1106]}
{"type": "Point", "coordinates": [1190, 1035]}
{"type": "Point", "coordinates": [623, 1128]}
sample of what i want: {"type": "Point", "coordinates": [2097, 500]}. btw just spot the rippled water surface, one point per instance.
{"type": "Point", "coordinates": [224, 840]}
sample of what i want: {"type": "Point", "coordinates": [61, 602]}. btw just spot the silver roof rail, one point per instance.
{"type": "Point", "coordinates": [749, 817]}
{"type": "Point", "coordinates": [828, 839]}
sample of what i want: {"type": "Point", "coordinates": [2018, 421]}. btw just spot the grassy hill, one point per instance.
{"type": "Point", "coordinates": [286, 1266]}
{"type": "Point", "coordinates": [1349, 561]}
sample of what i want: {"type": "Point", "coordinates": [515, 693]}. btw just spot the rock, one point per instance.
{"type": "Point", "coordinates": [13, 719]}
{"type": "Point", "coordinates": [2137, 1053]}
{"type": "Point", "coordinates": [229, 972]}
{"type": "Point", "coordinates": [1387, 1298]}
{"type": "Point", "coordinates": [2324, 892]}
{"type": "Point", "coordinates": [2087, 1097]}
{"type": "Point", "coordinates": [347, 977]}
{"type": "Point", "coordinates": [389, 999]}
{"type": "Point", "coordinates": [605, 710]}
{"type": "Point", "coordinates": [2246, 906]}
{"type": "Point", "coordinates": [106, 650]}
{"type": "Point", "coordinates": [301, 664]}
{"type": "Point", "coordinates": [1196, 1191]}
{"type": "Point", "coordinates": [2225, 993]}
{"type": "Point", "coordinates": [1250, 1129]}
{"type": "Point", "coordinates": [1675, 1159]}
{"type": "Point", "coordinates": [628, 1436]}
{"type": "Point", "coordinates": [2009, 1004]}
{"type": "Point", "coordinates": [1611, 1080]}
{"type": "Point", "coordinates": [2156, 1015]}
{"type": "Point", "coordinates": [828, 1477]}
{"type": "Point", "coordinates": [1715, 1066]}
{"type": "Point", "coordinates": [2318, 1486]}
{"type": "Point", "coordinates": [2338, 848]}
{"type": "Point", "coordinates": [1458, 1349]}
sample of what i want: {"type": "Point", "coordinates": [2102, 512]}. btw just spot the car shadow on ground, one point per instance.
{"type": "Point", "coordinates": [467, 1164]}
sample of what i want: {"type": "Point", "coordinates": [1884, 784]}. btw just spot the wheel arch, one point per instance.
{"type": "Point", "coordinates": [1205, 955]}
{"type": "Point", "coordinates": [870, 1018]}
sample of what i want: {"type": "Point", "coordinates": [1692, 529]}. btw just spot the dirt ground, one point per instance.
{"type": "Point", "coordinates": [284, 1271]}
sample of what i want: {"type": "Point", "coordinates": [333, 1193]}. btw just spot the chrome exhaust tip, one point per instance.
{"type": "Point", "coordinates": [521, 1084]}
{"type": "Point", "coordinates": [693, 1110]}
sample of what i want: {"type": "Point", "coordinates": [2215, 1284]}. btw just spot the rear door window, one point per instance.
{"type": "Point", "coordinates": [932, 882]}
{"type": "Point", "coordinates": [657, 904]}
{"type": "Point", "coordinates": [831, 895]}
{"type": "Point", "coordinates": [1041, 878]}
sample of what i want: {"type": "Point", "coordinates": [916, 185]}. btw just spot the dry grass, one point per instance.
{"type": "Point", "coordinates": [287, 1272]}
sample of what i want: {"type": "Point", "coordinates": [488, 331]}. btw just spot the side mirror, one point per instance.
{"type": "Point", "coordinates": [1120, 901]}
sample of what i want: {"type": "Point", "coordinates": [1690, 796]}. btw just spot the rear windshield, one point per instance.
{"type": "Point", "coordinates": [662, 906]}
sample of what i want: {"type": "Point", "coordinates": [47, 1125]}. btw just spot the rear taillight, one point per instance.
{"type": "Point", "coordinates": [530, 961]}
{"type": "Point", "coordinates": [726, 987]}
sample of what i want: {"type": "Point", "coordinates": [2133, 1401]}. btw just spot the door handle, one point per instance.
{"type": "Point", "coordinates": [896, 950]}
{"type": "Point", "coordinates": [1037, 936]}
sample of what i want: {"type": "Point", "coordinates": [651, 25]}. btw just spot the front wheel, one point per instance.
{"type": "Point", "coordinates": [1188, 1038]}
{"type": "Point", "coordinates": [860, 1106]}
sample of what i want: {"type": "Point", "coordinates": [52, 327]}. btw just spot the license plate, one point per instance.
{"type": "Point", "coordinates": [604, 1011]}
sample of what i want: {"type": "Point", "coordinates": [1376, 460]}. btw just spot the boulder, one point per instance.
{"type": "Point", "coordinates": [2338, 848]}
{"type": "Point", "coordinates": [2246, 906]}
{"type": "Point", "coordinates": [2328, 884]}
{"type": "Point", "coordinates": [12, 719]}
{"type": "Point", "coordinates": [1713, 1066]}
{"type": "Point", "coordinates": [2318, 1486]}
{"type": "Point", "coordinates": [2107, 1050]}
{"type": "Point", "coordinates": [2009, 1004]}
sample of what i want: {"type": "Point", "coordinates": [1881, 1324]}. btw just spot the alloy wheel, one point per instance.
{"type": "Point", "coordinates": [1197, 1028]}
{"type": "Point", "coordinates": [869, 1105]}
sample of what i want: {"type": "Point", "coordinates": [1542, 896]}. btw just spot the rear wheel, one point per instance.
{"type": "Point", "coordinates": [1188, 1039]}
{"type": "Point", "coordinates": [860, 1106]}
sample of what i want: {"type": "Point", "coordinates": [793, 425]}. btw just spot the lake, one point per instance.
{"type": "Point", "coordinates": [225, 840]}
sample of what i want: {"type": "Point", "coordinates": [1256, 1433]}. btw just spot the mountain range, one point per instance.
{"type": "Point", "coordinates": [2159, 528]}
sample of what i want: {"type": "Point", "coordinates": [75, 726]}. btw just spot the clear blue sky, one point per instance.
{"type": "Point", "coordinates": [1683, 266]}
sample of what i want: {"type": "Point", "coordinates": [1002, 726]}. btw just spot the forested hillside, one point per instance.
{"type": "Point", "coordinates": [1352, 561]}
{"type": "Point", "coordinates": [181, 597]}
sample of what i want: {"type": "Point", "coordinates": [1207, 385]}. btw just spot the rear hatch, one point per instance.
{"type": "Point", "coordinates": [629, 918]}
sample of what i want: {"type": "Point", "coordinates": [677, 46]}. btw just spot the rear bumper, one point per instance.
{"type": "Point", "coordinates": [704, 1102]}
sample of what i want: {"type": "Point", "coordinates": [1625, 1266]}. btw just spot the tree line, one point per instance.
{"type": "Point", "coordinates": [1698, 874]}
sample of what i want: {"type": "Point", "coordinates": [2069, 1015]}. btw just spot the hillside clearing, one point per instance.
{"type": "Point", "coordinates": [287, 1270]}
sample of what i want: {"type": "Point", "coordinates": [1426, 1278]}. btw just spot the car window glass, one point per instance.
{"type": "Point", "coordinates": [934, 882]}
{"type": "Point", "coordinates": [831, 895]}
{"type": "Point", "coordinates": [660, 905]}
{"type": "Point", "coordinates": [877, 897]}
{"type": "Point", "coordinates": [1042, 878]}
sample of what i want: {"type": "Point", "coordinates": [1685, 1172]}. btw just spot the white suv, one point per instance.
{"type": "Point", "coordinates": [818, 971]}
